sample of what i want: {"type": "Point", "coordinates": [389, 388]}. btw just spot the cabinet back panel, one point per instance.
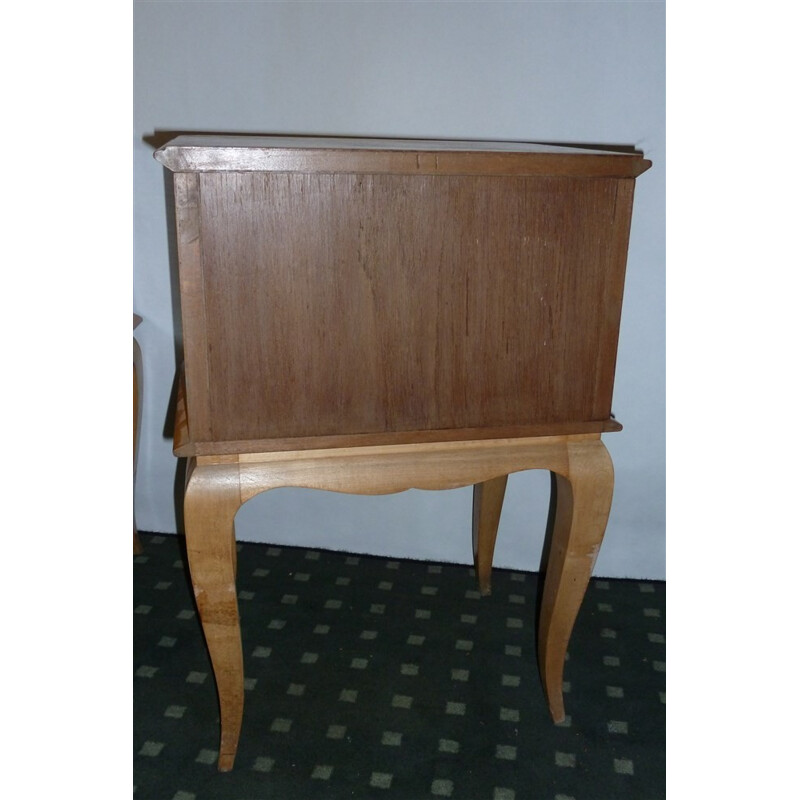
{"type": "Point", "coordinates": [349, 304]}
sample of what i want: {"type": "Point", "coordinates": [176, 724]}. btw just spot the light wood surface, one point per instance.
{"type": "Point", "coordinates": [487, 504]}
{"type": "Point", "coordinates": [137, 416]}
{"type": "Point", "coordinates": [371, 316]}
{"type": "Point", "coordinates": [583, 502]}
{"type": "Point", "coordinates": [211, 501]}
{"type": "Point", "coordinates": [185, 447]}
{"type": "Point", "coordinates": [218, 485]}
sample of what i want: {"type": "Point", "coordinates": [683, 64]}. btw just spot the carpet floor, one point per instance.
{"type": "Point", "coordinates": [370, 677]}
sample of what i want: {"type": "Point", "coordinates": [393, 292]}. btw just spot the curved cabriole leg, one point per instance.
{"type": "Point", "coordinates": [211, 501]}
{"type": "Point", "coordinates": [583, 502]}
{"type": "Point", "coordinates": [487, 503]}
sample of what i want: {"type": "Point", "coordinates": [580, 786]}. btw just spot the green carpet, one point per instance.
{"type": "Point", "coordinates": [373, 678]}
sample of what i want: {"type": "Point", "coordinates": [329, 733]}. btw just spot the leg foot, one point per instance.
{"type": "Point", "coordinates": [210, 504]}
{"type": "Point", "coordinates": [582, 505]}
{"type": "Point", "coordinates": [487, 503]}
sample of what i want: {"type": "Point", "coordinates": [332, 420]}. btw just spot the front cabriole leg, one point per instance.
{"type": "Point", "coordinates": [583, 501]}
{"type": "Point", "coordinates": [211, 501]}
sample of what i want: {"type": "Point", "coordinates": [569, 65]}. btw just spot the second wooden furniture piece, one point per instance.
{"type": "Point", "coordinates": [137, 419]}
{"type": "Point", "coordinates": [371, 316]}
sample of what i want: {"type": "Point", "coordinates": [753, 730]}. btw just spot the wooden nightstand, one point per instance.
{"type": "Point", "coordinates": [370, 316]}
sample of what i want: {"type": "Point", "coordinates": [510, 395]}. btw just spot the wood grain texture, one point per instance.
{"type": "Point", "coordinates": [193, 302]}
{"type": "Point", "coordinates": [342, 304]}
{"type": "Point", "coordinates": [218, 486]}
{"type": "Point", "coordinates": [583, 501]}
{"type": "Point", "coordinates": [487, 504]}
{"type": "Point", "coordinates": [137, 420]}
{"type": "Point", "coordinates": [372, 316]}
{"type": "Point", "coordinates": [186, 448]}
{"type": "Point", "coordinates": [211, 501]}
{"type": "Point", "coordinates": [182, 445]}
{"type": "Point", "coordinates": [389, 469]}
{"type": "Point", "coordinates": [364, 300]}
{"type": "Point", "coordinates": [393, 156]}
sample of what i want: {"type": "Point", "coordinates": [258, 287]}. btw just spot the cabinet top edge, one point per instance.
{"type": "Point", "coordinates": [206, 153]}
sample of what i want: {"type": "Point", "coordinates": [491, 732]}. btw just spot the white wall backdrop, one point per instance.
{"type": "Point", "coordinates": [568, 72]}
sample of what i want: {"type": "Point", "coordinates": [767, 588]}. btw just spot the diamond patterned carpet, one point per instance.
{"type": "Point", "coordinates": [373, 678]}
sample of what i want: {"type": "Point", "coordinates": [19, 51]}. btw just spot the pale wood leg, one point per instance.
{"type": "Point", "coordinates": [582, 505]}
{"type": "Point", "coordinates": [137, 544]}
{"type": "Point", "coordinates": [487, 503]}
{"type": "Point", "coordinates": [210, 504]}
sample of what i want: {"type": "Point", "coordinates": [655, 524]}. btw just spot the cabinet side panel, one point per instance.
{"type": "Point", "coordinates": [193, 312]}
{"type": "Point", "coordinates": [615, 262]}
{"type": "Point", "coordinates": [349, 304]}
